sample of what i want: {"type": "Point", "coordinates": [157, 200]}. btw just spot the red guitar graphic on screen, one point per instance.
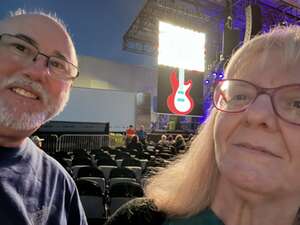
{"type": "Point", "coordinates": [180, 101]}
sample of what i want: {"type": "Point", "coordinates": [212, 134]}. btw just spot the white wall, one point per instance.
{"type": "Point", "coordinates": [103, 74]}
{"type": "Point", "coordinates": [95, 105]}
{"type": "Point", "coordinates": [104, 89]}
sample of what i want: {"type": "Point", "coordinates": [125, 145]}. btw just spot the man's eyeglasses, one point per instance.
{"type": "Point", "coordinates": [232, 95]}
{"type": "Point", "coordinates": [25, 53]}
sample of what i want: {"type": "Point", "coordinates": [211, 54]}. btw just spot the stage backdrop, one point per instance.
{"type": "Point", "coordinates": [180, 92]}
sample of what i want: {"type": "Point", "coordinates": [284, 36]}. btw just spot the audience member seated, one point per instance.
{"type": "Point", "coordinates": [142, 134]}
{"type": "Point", "coordinates": [37, 141]}
{"type": "Point", "coordinates": [163, 141]}
{"type": "Point", "coordinates": [179, 143]}
{"type": "Point", "coordinates": [170, 139]}
{"type": "Point", "coordinates": [130, 132]}
{"type": "Point", "coordinates": [135, 143]}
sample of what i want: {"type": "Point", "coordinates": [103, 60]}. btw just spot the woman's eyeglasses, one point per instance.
{"type": "Point", "coordinates": [233, 95]}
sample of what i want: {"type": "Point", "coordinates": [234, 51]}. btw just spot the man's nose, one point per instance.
{"type": "Point", "coordinates": [38, 69]}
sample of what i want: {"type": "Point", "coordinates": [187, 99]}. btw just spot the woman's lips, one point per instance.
{"type": "Point", "coordinates": [261, 149]}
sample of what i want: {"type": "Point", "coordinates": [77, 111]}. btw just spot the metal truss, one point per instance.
{"type": "Point", "coordinates": [142, 35]}
{"type": "Point", "coordinates": [201, 15]}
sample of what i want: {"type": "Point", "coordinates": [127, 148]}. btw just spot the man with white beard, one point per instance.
{"type": "Point", "coordinates": [38, 66]}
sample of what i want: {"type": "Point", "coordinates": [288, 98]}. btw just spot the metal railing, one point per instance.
{"type": "Point", "coordinates": [71, 142]}
{"type": "Point", "coordinates": [50, 142]}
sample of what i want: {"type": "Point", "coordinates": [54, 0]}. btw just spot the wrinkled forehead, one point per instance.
{"type": "Point", "coordinates": [254, 60]}
{"type": "Point", "coordinates": [49, 36]}
{"type": "Point", "coordinates": [269, 68]}
{"type": "Point", "coordinates": [265, 53]}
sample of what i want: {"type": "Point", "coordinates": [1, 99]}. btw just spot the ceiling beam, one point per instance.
{"type": "Point", "coordinates": [292, 3]}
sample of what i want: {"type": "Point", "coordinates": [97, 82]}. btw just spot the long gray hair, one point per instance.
{"type": "Point", "coordinates": [188, 185]}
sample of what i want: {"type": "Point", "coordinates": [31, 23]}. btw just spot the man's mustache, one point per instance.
{"type": "Point", "coordinates": [22, 81]}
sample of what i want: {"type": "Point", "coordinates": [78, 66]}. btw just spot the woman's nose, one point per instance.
{"type": "Point", "coordinates": [261, 113]}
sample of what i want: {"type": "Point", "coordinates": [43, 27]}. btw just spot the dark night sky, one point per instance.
{"type": "Point", "coordinates": [97, 26]}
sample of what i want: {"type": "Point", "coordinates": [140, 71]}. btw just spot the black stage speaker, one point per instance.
{"type": "Point", "coordinates": [231, 39]}
{"type": "Point", "coordinates": [253, 21]}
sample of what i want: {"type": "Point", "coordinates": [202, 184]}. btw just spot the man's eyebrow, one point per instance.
{"type": "Point", "coordinates": [33, 42]}
{"type": "Point", "coordinates": [27, 39]}
{"type": "Point", "coordinates": [60, 55]}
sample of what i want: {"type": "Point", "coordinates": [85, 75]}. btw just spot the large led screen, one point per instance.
{"type": "Point", "coordinates": [181, 47]}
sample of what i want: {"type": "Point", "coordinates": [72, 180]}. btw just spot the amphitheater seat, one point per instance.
{"type": "Point", "coordinates": [106, 169]}
{"type": "Point", "coordinates": [93, 174]}
{"type": "Point", "coordinates": [122, 172]}
{"type": "Point", "coordinates": [92, 200]}
{"type": "Point", "coordinates": [120, 193]}
{"type": "Point", "coordinates": [131, 162]}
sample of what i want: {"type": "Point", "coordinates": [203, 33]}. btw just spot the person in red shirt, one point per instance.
{"type": "Point", "coordinates": [130, 132]}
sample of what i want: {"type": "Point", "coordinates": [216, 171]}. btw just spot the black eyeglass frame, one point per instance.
{"type": "Point", "coordinates": [259, 91]}
{"type": "Point", "coordinates": [43, 54]}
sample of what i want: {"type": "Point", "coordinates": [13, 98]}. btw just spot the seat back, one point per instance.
{"type": "Point", "coordinates": [106, 170]}
{"type": "Point", "coordinates": [88, 187]}
{"type": "Point", "coordinates": [126, 189]}
{"type": "Point", "coordinates": [93, 206]}
{"type": "Point", "coordinates": [99, 180]}
{"type": "Point", "coordinates": [122, 172]}
{"type": "Point", "coordinates": [131, 162]}
{"type": "Point", "coordinates": [106, 162]}
{"type": "Point", "coordinates": [122, 155]}
{"type": "Point", "coordinates": [120, 180]}
{"type": "Point", "coordinates": [76, 168]}
{"type": "Point", "coordinates": [137, 171]}
{"type": "Point", "coordinates": [89, 171]}
{"type": "Point", "coordinates": [82, 161]}
{"type": "Point", "coordinates": [116, 203]}
{"type": "Point", "coordinates": [121, 193]}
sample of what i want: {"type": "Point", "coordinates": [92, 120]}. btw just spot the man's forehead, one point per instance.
{"type": "Point", "coordinates": [41, 30]}
{"type": "Point", "coordinates": [18, 22]}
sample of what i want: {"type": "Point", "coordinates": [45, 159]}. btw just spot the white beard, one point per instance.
{"type": "Point", "coordinates": [30, 120]}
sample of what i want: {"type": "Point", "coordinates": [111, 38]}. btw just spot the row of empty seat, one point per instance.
{"type": "Point", "coordinates": [107, 178]}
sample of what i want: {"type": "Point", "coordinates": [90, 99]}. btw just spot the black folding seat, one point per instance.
{"type": "Point", "coordinates": [119, 175]}
{"type": "Point", "coordinates": [102, 155]}
{"type": "Point", "coordinates": [134, 165]}
{"type": "Point", "coordinates": [121, 172]}
{"type": "Point", "coordinates": [106, 162]}
{"type": "Point", "coordinates": [93, 201]}
{"type": "Point", "coordinates": [106, 148]}
{"type": "Point", "coordinates": [165, 156]}
{"type": "Point", "coordinates": [120, 193]}
{"type": "Point", "coordinates": [106, 165]}
{"type": "Point", "coordinates": [122, 155]}
{"type": "Point", "coordinates": [82, 161]}
{"type": "Point", "coordinates": [142, 155]}
{"type": "Point", "coordinates": [131, 162]}
{"type": "Point", "coordinates": [93, 174]}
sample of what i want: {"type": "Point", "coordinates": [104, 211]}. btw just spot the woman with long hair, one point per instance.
{"type": "Point", "coordinates": [242, 167]}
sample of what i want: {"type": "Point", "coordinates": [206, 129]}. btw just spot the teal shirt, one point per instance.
{"type": "Point", "coordinates": [206, 217]}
